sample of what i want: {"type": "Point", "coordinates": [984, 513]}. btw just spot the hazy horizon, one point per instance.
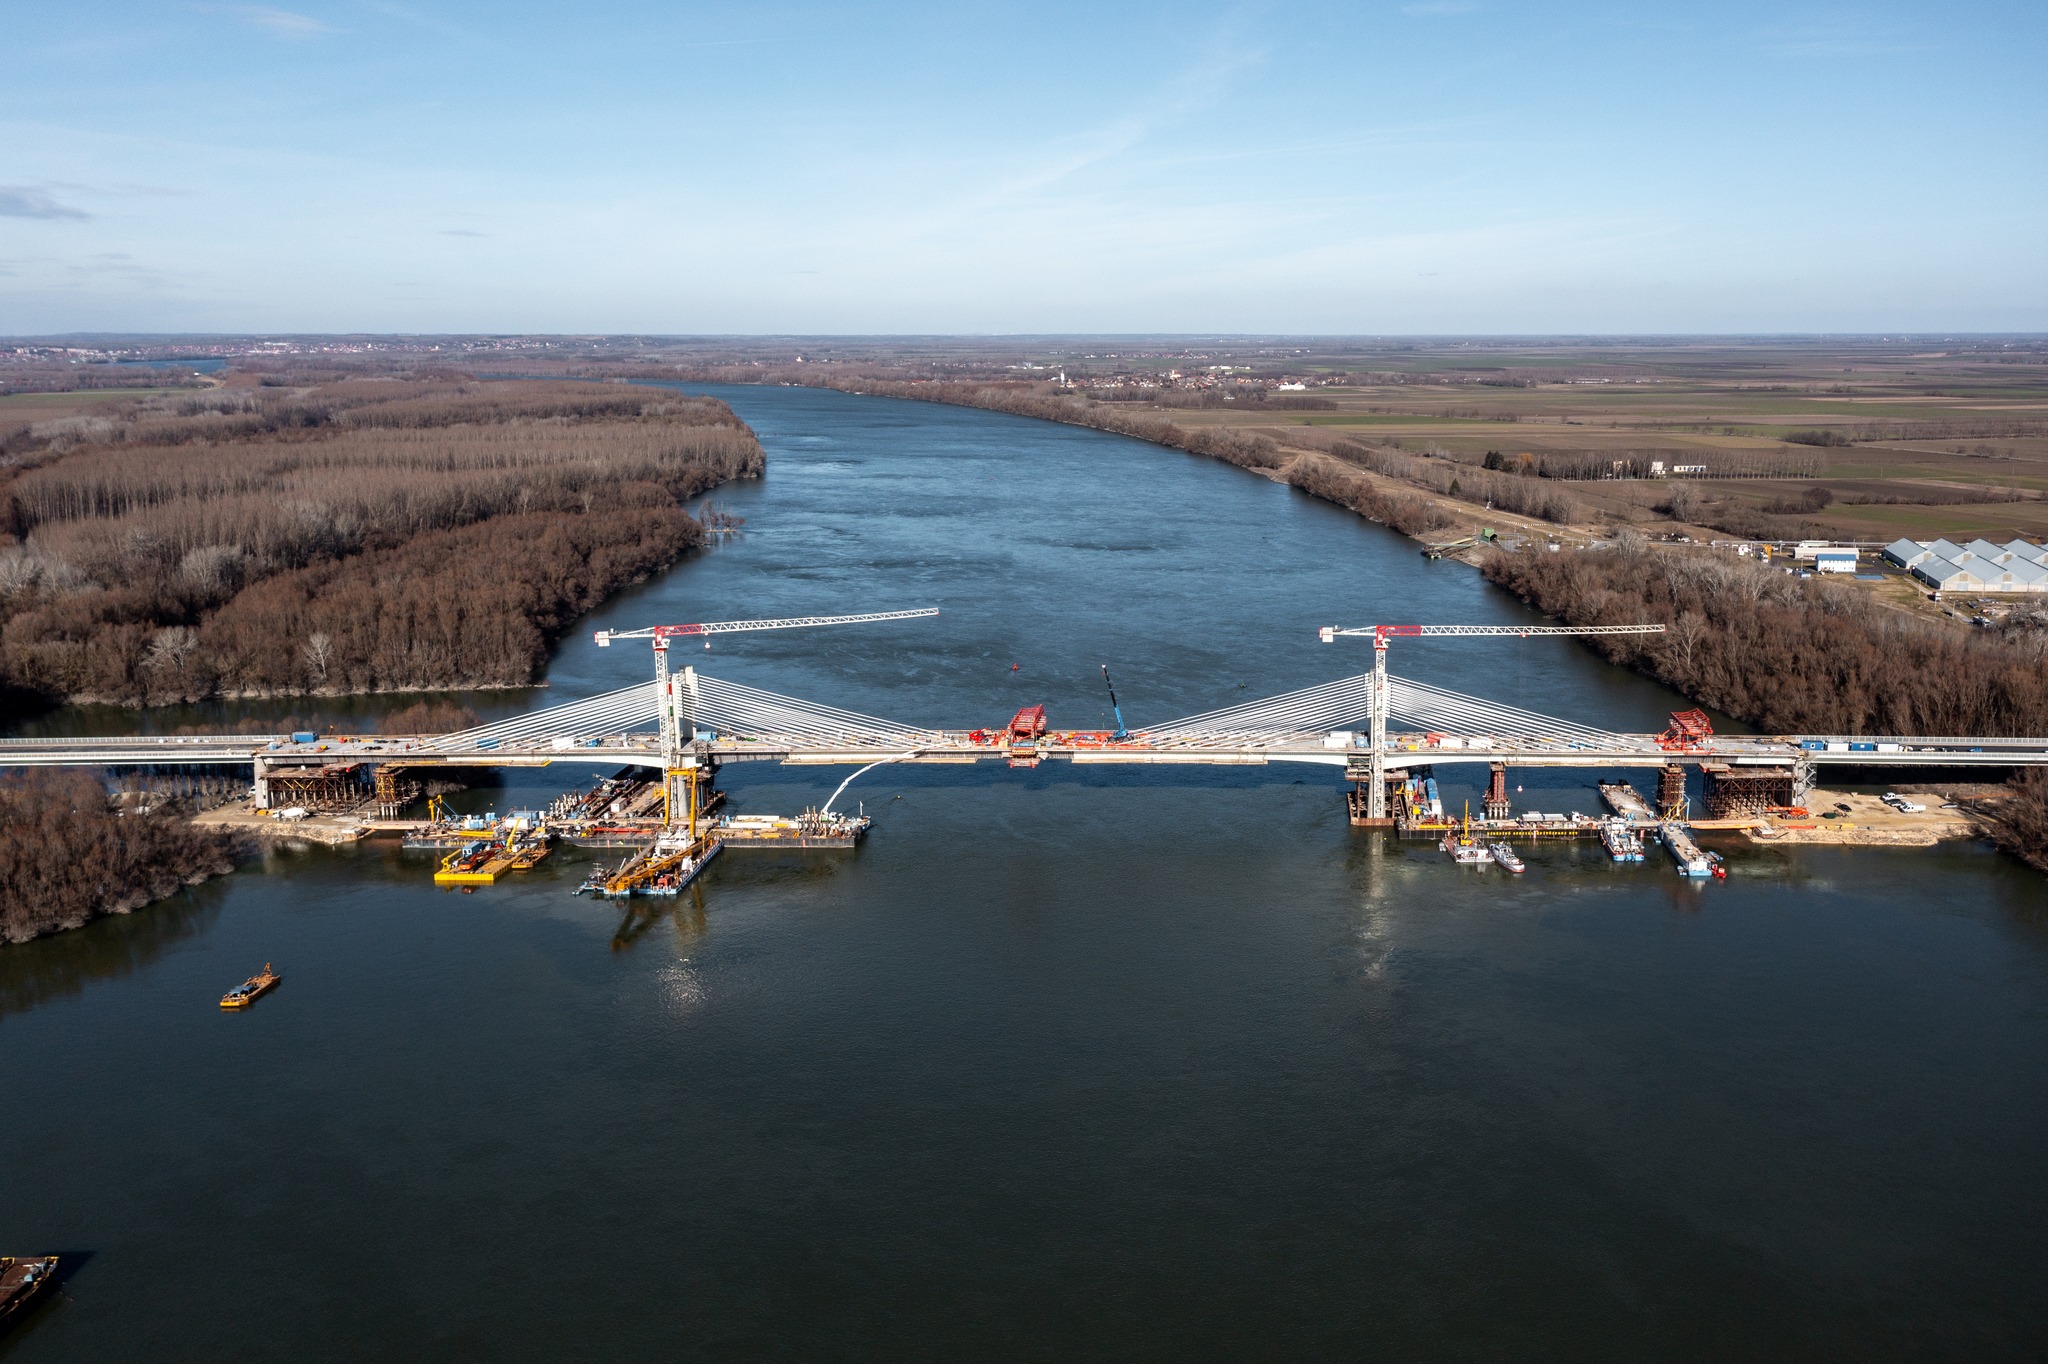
{"type": "Point", "coordinates": [1448, 168]}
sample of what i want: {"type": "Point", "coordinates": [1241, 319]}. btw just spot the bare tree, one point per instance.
{"type": "Point", "coordinates": [318, 649]}
{"type": "Point", "coordinates": [1685, 635]}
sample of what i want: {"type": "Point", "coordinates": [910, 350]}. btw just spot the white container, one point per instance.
{"type": "Point", "coordinates": [1340, 738]}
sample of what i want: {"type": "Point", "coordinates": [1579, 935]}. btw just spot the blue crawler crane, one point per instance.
{"type": "Point", "coordinates": [1116, 710]}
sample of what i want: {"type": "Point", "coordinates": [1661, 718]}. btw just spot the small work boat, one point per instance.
{"type": "Point", "coordinates": [1621, 842]}
{"type": "Point", "coordinates": [1463, 848]}
{"type": "Point", "coordinates": [1505, 855]}
{"type": "Point", "coordinates": [245, 994]}
{"type": "Point", "coordinates": [22, 1277]}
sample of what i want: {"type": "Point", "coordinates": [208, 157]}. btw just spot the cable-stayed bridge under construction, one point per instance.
{"type": "Point", "coordinates": [1377, 726]}
{"type": "Point", "coordinates": [726, 722]}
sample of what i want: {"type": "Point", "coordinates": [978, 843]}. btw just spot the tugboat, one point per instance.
{"type": "Point", "coordinates": [22, 1277]}
{"type": "Point", "coordinates": [1505, 855]}
{"type": "Point", "coordinates": [245, 994]}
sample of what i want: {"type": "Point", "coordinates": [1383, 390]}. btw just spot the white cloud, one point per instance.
{"type": "Point", "coordinates": [281, 23]}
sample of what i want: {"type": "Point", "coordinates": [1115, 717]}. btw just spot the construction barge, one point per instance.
{"type": "Point", "coordinates": [664, 867]}
{"type": "Point", "coordinates": [23, 1278]}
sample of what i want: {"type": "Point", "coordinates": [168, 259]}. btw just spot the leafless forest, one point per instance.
{"type": "Point", "coordinates": [1802, 656]}
{"type": "Point", "coordinates": [67, 856]}
{"type": "Point", "coordinates": [362, 535]}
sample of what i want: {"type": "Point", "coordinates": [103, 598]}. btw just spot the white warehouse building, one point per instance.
{"type": "Point", "coordinates": [1979, 566]}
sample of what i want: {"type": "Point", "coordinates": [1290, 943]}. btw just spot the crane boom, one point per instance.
{"type": "Point", "coordinates": [1381, 633]}
{"type": "Point", "coordinates": [675, 698]}
{"type": "Point", "coordinates": [729, 627]}
{"type": "Point", "coordinates": [1376, 796]}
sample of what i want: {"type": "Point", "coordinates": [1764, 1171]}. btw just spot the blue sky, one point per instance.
{"type": "Point", "coordinates": [1425, 167]}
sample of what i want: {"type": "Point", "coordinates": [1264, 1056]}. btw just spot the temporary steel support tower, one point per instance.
{"type": "Point", "coordinates": [676, 697]}
{"type": "Point", "coordinates": [1376, 796]}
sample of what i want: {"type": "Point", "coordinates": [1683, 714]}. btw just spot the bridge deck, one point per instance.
{"type": "Point", "coordinates": [956, 747]}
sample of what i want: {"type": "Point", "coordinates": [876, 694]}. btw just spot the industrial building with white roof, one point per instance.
{"type": "Point", "coordinates": [1979, 566]}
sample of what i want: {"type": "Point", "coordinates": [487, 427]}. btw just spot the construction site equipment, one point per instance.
{"type": "Point", "coordinates": [1026, 728]}
{"type": "Point", "coordinates": [1121, 733]}
{"type": "Point", "coordinates": [1376, 793]}
{"type": "Point", "coordinates": [664, 867]}
{"type": "Point", "coordinates": [683, 773]}
{"type": "Point", "coordinates": [482, 861]}
{"type": "Point", "coordinates": [1689, 730]}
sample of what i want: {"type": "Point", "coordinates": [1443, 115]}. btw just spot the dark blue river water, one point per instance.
{"type": "Point", "coordinates": [1070, 1063]}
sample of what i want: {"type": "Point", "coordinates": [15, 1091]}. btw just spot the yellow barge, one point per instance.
{"type": "Point", "coordinates": [256, 986]}
{"type": "Point", "coordinates": [482, 862]}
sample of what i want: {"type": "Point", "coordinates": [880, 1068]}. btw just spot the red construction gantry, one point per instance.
{"type": "Point", "coordinates": [1690, 729]}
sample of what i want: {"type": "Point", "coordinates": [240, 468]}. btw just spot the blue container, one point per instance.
{"type": "Point", "coordinates": [1863, 748]}
{"type": "Point", "coordinates": [304, 736]}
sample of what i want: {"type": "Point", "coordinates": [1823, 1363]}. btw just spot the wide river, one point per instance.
{"type": "Point", "coordinates": [1067, 1063]}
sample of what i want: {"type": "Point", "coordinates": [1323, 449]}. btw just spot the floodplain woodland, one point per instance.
{"type": "Point", "coordinates": [270, 535]}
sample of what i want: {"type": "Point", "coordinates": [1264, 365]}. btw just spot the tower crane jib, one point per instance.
{"type": "Point", "coordinates": [1376, 797]}
{"type": "Point", "coordinates": [675, 704]}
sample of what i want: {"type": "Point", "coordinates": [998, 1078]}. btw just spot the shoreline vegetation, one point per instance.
{"type": "Point", "coordinates": [305, 535]}
{"type": "Point", "coordinates": [68, 856]}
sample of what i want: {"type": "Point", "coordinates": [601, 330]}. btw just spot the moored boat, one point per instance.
{"type": "Point", "coordinates": [1505, 855]}
{"type": "Point", "coordinates": [664, 868]}
{"type": "Point", "coordinates": [1686, 853]}
{"type": "Point", "coordinates": [1465, 850]}
{"type": "Point", "coordinates": [1463, 847]}
{"type": "Point", "coordinates": [1621, 842]}
{"type": "Point", "coordinates": [245, 994]}
{"type": "Point", "coordinates": [22, 1277]}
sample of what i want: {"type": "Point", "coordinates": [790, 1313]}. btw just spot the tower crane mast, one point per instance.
{"type": "Point", "coordinates": [1376, 797]}
{"type": "Point", "coordinates": [676, 705]}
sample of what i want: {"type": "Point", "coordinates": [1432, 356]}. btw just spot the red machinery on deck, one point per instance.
{"type": "Point", "coordinates": [1027, 727]}
{"type": "Point", "coordinates": [1689, 730]}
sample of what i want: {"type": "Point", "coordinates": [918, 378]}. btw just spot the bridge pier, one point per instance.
{"type": "Point", "coordinates": [262, 782]}
{"type": "Point", "coordinates": [1671, 803]}
{"type": "Point", "coordinates": [1497, 806]}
